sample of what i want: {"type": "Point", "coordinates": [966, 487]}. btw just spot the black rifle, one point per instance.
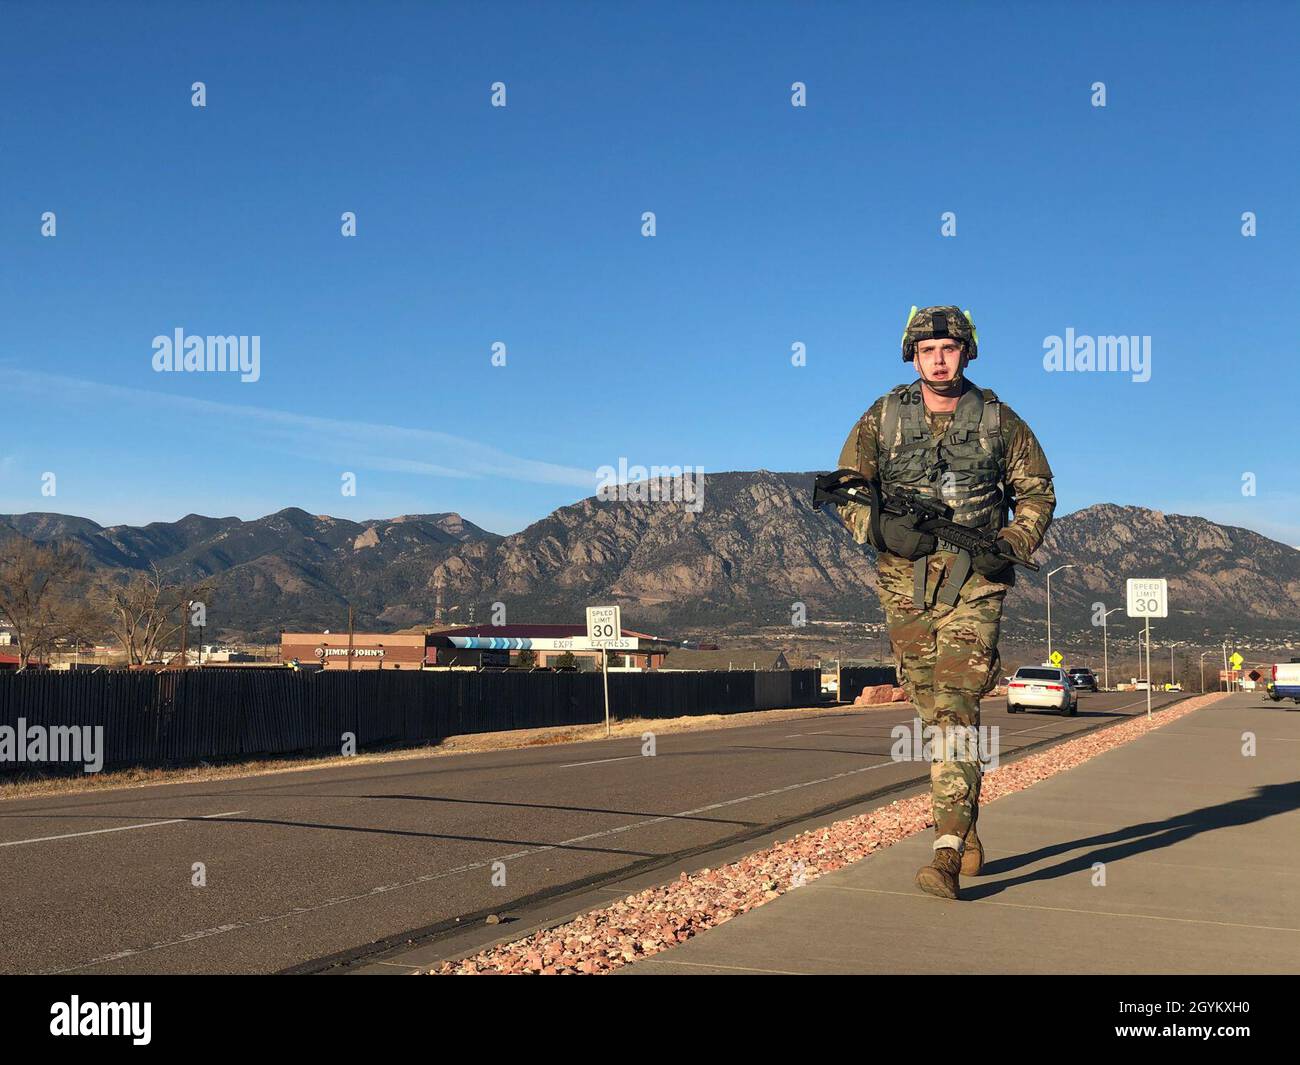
{"type": "Point", "coordinates": [933, 516]}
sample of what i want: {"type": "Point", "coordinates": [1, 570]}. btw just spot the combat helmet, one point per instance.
{"type": "Point", "coordinates": [936, 323]}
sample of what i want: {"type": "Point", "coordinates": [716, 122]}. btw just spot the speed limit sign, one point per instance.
{"type": "Point", "coordinates": [604, 623]}
{"type": "Point", "coordinates": [1148, 597]}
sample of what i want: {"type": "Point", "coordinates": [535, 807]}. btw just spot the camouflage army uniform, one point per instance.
{"type": "Point", "coordinates": [947, 656]}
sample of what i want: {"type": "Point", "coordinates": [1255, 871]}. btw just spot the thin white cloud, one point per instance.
{"type": "Point", "coordinates": [369, 445]}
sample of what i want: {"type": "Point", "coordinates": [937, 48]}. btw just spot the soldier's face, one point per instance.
{"type": "Point", "coordinates": [939, 360]}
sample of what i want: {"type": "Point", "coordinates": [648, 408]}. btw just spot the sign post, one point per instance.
{"type": "Point", "coordinates": [1235, 662]}
{"type": "Point", "coordinates": [604, 626]}
{"type": "Point", "coordinates": [1148, 598]}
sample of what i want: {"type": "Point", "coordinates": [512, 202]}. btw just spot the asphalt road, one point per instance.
{"type": "Point", "coordinates": [328, 864]}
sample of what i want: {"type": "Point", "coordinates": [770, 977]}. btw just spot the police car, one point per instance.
{"type": "Point", "coordinates": [1041, 688]}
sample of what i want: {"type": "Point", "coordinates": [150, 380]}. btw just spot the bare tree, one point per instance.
{"type": "Point", "coordinates": [146, 612]}
{"type": "Point", "coordinates": [40, 594]}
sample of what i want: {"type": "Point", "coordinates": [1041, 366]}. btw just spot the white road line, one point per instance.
{"type": "Point", "coordinates": [124, 828]}
{"type": "Point", "coordinates": [1035, 729]}
{"type": "Point", "coordinates": [1083, 732]}
{"type": "Point", "coordinates": [1135, 702]}
{"type": "Point", "coordinates": [600, 761]}
{"type": "Point", "coordinates": [298, 911]}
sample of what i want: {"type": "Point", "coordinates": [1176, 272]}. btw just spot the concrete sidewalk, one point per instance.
{"type": "Point", "coordinates": [1201, 861]}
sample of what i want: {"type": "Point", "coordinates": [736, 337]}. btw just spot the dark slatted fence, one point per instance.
{"type": "Point", "coordinates": [854, 678]}
{"type": "Point", "coordinates": [188, 715]}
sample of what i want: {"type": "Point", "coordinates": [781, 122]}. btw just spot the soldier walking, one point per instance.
{"type": "Point", "coordinates": [948, 439]}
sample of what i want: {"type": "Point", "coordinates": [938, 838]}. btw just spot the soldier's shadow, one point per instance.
{"type": "Point", "coordinates": [1266, 801]}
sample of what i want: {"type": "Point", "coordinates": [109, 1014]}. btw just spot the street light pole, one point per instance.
{"type": "Point", "coordinates": [1049, 606]}
{"type": "Point", "coordinates": [1148, 625]}
{"type": "Point", "coordinates": [1145, 645]}
{"type": "Point", "coordinates": [1203, 654]}
{"type": "Point", "coordinates": [1105, 653]}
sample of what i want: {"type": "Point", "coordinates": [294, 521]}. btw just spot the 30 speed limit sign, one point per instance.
{"type": "Point", "coordinates": [1148, 597]}
{"type": "Point", "coordinates": [604, 623]}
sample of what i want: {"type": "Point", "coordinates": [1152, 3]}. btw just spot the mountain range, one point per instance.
{"type": "Point", "coordinates": [742, 563]}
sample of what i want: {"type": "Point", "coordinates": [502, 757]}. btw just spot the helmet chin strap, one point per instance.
{"type": "Point", "coordinates": [951, 387]}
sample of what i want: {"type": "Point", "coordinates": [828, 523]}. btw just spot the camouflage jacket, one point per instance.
{"type": "Point", "coordinates": [1027, 474]}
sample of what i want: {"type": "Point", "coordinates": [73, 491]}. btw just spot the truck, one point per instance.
{"type": "Point", "coordinates": [1285, 681]}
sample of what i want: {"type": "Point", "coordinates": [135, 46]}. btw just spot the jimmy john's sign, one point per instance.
{"type": "Point", "coordinates": [368, 650]}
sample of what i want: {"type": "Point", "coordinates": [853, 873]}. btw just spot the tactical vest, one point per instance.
{"type": "Point", "coordinates": [964, 467]}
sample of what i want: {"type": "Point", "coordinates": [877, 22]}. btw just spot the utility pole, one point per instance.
{"type": "Point", "coordinates": [349, 636]}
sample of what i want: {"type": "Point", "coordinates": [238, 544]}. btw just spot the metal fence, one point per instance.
{"type": "Point", "coordinates": [854, 678]}
{"type": "Point", "coordinates": [187, 715]}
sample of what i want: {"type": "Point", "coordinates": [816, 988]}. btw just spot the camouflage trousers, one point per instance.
{"type": "Point", "coordinates": [947, 657]}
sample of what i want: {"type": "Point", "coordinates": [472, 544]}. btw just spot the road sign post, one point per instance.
{"type": "Point", "coordinates": [1235, 662]}
{"type": "Point", "coordinates": [1148, 597]}
{"type": "Point", "coordinates": [604, 627]}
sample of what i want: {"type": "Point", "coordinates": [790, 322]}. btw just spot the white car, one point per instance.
{"type": "Point", "coordinates": [1041, 688]}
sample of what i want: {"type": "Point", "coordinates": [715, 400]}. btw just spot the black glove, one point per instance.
{"type": "Point", "coordinates": [988, 564]}
{"type": "Point", "coordinates": [901, 536]}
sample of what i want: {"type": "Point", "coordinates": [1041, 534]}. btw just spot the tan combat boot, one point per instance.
{"type": "Point", "coordinates": [972, 858]}
{"type": "Point", "coordinates": [940, 876]}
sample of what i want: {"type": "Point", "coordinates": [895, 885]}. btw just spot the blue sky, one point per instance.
{"type": "Point", "coordinates": [522, 224]}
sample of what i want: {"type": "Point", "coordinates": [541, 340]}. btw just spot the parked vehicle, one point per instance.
{"type": "Point", "coordinates": [1083, 679]}
{"type": "Point", "coordinates": [1286, 681]}
{"type": "Point", "coordinates": [1042, 688]}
